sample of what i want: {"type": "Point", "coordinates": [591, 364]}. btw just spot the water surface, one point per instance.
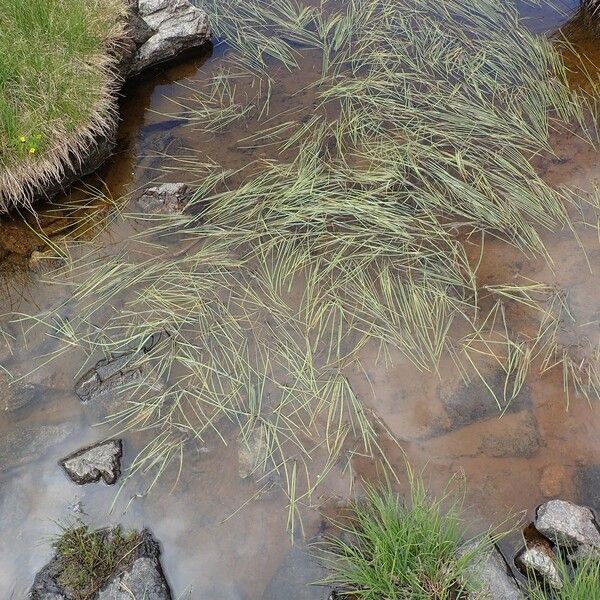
{"type": "Point", "coordinates": [537, 449]}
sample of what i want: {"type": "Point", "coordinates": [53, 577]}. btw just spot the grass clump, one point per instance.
{"type": "Point", "coordinates": [401, 550]}
{"type": "Point", "coordinates": [57, 89]}
{"type": "Point", "coordinates": [89, 557]}
{"type": "Point", "coordinates": [579, 582]}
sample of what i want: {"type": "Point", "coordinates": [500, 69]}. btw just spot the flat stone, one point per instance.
{"type": "Point", "coordinates": [494, 575]}
{"type": "Point", "coordinates": [179, 26]}
{"type": "Point", "coordinates": [567, 524]}
{"type": "Point", "coordinates": [14, 396]}
{"type": "Point", "coordinates": [294, 578]}
{"type": "Point", "coordinates": [472, 402]}
{"type": "Point", "coordinates": [167, 198]}
{"type": "Point", "coordinates": [25, 443]}
{"type": "Point", "coordinates": [101, 461]}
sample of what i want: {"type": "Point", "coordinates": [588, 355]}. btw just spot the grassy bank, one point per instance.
{"type": "Point", "coordinates": [56, 87]}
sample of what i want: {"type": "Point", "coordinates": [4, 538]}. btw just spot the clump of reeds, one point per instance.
{"type": "Point", "coordinates": [390, 547]}
{"type": "Point", "coordinates": [421, 133]}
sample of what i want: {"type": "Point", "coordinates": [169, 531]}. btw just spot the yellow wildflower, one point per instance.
{"type": "Point", "coordinates": [31, 150]}
{"type": "Point", "coordinates": [22, 139]}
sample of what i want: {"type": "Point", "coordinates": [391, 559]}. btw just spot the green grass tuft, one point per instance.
{"type": "Point", "coordinates": [89, 557]}
{"type": "Point", "coordinates": [401, 550]}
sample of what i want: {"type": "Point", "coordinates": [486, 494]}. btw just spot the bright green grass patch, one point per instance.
{"type": "Point", "coordinates": [400, 550]}
{"type": "Point", "coordinates": [54, 77]}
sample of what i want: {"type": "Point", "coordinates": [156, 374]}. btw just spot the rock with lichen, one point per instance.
{"type": "Point", "coordinates": [100, 461]}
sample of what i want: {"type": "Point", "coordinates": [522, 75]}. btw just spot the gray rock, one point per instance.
{"type": "Point", "coordinates": [14, 396]}
{"type": "Point", "coordinates": [253, 452]}
{"type": "Point", "coordinates": [539, 560]}
{"type": "Point", "coordinates": [25, 443]}
{"type": "Point", "coordinates": [167, 198]}
{"type": "Point", "coordinates": [179, 26]}
{"type": "Point", "coordinates": [45, 585]}
{"type": "Point", "coordinates": [142, 579]}
{"type": "Point", "coordinates": [106, 376]}
{"type": "Point", "coordinates": [137, 29]}
{"type": "Point", "coordinates": [567, 524]}
{"type": "Point", "coordinates": [294, 578]}
{"type": "Point", "coordinates": [493, 574]}
{"type": "Point", "coordinates": [101, 461]}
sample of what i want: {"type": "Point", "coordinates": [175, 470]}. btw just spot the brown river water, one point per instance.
{"type": "Point", "coordinates": [538, 449]}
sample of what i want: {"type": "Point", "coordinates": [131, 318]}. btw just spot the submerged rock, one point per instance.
{"type": "Point", "coordinates": [295, 578]}
{"type": "Point", "coordinates": [107, 376]}
{"type": "Point", "coordinates": [567, 524]}
{"type": "Point", "coordinates": [253, 452]}
{"type": "Point", "coordinates": [554, 480]}
{"type": "Point", "coordinates": [492, 572]}
{"type": "Point", "coordinates": [587, 481]}
{"type": "Point", "coordinates": [141, 578]}
{"type": "Point", "coordinates": [111, 373]}
{"type": "Point", "coordinates": [167, 198]}
{"type": "Point", "coordinates": [14, 396]}
{"type": "Point", "coordinates": [25, 443]}
{"type": "Point", "coordinates": [92, 385]}
{"type": "Point", "coordinates": [178, 26]}
{"type": "Point", "coordinates": [101, 461]}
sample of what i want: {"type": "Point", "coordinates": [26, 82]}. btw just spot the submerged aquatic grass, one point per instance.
{"type": "Point", "coordinates": [422, 130]}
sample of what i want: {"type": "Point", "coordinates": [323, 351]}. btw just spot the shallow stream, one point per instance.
{"type": "Point", "coordinates": [539, 448]}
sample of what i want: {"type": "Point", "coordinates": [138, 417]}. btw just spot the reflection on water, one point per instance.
{"type": "Point", "coordinates": [537, 449]}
